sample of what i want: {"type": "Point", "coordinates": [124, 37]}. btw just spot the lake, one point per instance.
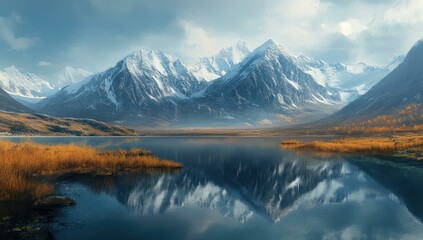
{"type": "Point", "coordinates": [242, 188]}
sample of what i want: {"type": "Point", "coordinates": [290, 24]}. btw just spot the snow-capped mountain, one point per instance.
{"type": "Point", "coordinates": [211, 68]}
{"type": "Point", "coordinates": [396, 61]}
{"type": "Point", "coordinates": [156, 88]}
{"type": "Point", "coordinates": [142, 85]}
{"type": "Point", "coordinates": [401, 87]}
{"type": "Point", "coordinates": [352, 80]}
{"type": "Point", "coordinates": [270, 81]}
{"type": "Point", "coordinates": [24, 86]}
{"type": "Point", "coordinates": [69, 75]}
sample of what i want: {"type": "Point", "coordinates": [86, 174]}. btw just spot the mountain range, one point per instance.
{"type": "Point", "coordinates": [211, 68]}
{"type": "Point", "coordinates": [400, 88]}
{"type": "Point", "coordinates": [154, 88]}
{"type": "Point", "coordinates": [236, 87]}
{"type": "Point", "coordinates": [24, 86]}
{"type": "Point", "coordinates": [29, 88]}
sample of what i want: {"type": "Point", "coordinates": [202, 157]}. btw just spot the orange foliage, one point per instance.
{"type": "Point", "coordinates": [407, 119]}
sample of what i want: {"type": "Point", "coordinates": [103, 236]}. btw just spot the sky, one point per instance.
{"type": "Point", "coordinates": [45, 35]}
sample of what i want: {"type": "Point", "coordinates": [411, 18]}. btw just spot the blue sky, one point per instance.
{"type": "Point", "coordinates": [44, 35]}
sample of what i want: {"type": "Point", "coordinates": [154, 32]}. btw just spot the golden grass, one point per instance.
{"type": "Point", "coordinates": [410, 146]}
{"type": "Point", "coordinates": [22, 165]}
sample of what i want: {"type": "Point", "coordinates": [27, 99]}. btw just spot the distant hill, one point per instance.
{"type": "Point", "coordinates": [7, 103]}
{"type": "Point", "coordinates": [40, 124]}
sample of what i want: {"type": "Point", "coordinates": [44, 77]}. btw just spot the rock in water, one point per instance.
{"type": "Point", "coordinates": [54, 202]}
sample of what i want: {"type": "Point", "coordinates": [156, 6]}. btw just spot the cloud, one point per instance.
{"type": "Point", "coordinates": [199, 43]}
{"type": "Point", "coordinates": [265, 122]}
{"type": "Point", "coordinates": [352, 27]}
{"type": "Point", "coordinates": [9, 37]}
{"type": "Point", "coordinates": [96, 34]}
{"type": "Point", "coordinates": [346, 31]}
{"type": "Point", "coordinates": [44, 64]}
{"type": "Point", "coordinates": [405, 12]}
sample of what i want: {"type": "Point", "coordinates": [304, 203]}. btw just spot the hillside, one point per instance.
{"type": "Point", "coordinates": [44, 125]}
{"type": "Point", "coordinates": [399, 89]}
{"type": "Point", "coordinates": [7, 103]}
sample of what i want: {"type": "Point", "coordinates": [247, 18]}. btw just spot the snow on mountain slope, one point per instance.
{"type": "Point", "coordinates": [352, 80]}
{"type": "Point", "coordinates": [24, 85]}
{"type": "Point", "coordinates": [158, 88]}
{"type": "Point", "coordinates": [401, 87]}
{"type": "Point", "coordinates": [269, 79]}
{"type": "Point", "coordinates": [69, 75]}
{"type": "Point", "coordinates": [211, 68]}
{"type": "Point", "coordinates": [143, 84]}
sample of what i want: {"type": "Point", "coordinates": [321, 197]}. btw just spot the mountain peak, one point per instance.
{"type": "Point", "coordinates": [12, 69]}
{"type": "Point", "coordinates": [213, 67]}
{"type": "Point", "coordinates": [236, 53]}
{"type": "Point", "coordinates": [69, 75]}
{"type": "Point", "coordinates": [419, 43]}
{"type": "Point", "coordinates": [151, 60]}
{"type": "Point", "coordinates": [415, 55]}
{"type": "Point", "coordinates": [268, 46]}
{"type": "Point", "coordinates": [148, 55]}
{"type": "Point", "coordinates": [241, 43]}
{"type": "Point", "coordinates": [71, 70]}
{"type": "Point", "coordinates": [242, 46]}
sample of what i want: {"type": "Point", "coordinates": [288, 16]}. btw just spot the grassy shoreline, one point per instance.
{"type": "Point", "coordinates": [405, 146]}
{"type": "Point", "coordinates": [26, 167]}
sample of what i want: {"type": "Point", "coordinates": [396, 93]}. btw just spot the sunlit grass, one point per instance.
{"type": "Point", "coordinates": [410, 146]}
{"type": "Point", "coordinates": [23, 165]}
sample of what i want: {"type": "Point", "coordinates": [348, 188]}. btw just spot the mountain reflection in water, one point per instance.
{"type": "Point", "coordinates": [247, 188]}
{"type": "Point", "coordinates": [273, 189]}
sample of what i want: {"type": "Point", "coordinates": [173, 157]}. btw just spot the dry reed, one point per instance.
{"type": "Point", "coordinates": [24, 165]}
{"type": "Point", "coordinates": [375, 146]}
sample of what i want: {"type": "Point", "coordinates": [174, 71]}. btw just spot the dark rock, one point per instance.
{"type": "Point", "coordinates": [54, 202]}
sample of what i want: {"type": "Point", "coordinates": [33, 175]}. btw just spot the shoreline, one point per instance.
{"type": "Point", "coordinates": [409, 146]}
{"type": "Point", "coordinates": [26, 167]}
{"type": "Point", "coordinates": [30, 174]}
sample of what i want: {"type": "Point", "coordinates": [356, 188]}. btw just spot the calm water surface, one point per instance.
{"type": "Point", "coordinates": [243, 188]}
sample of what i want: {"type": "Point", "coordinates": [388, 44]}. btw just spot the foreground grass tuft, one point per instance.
{"type": "Point", "coordinates": [407, 146]}
{"type": "Point", "coordinates": [24, 165]}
